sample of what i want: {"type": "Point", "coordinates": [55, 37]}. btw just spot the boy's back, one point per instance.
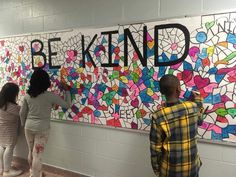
{"type": "Point", "coordinates": [173, 138]}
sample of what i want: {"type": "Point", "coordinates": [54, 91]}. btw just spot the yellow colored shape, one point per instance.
{"type": "Point", "coordinates": [80, 70]}
{"type": "Point", "coordinates": [124, 79]}
{"type": "Point", "coordinates": [19, 58]}
{"type": "Point", "coordinates": [150, 44]}
{"type": "Point", "coordinates": [150, 92]}
{"type": "Point", "coordinates": [126, 68]}
{"type": "Point", "coordinates": [210, 51]}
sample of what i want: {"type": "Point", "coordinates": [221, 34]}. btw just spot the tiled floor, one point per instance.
{"type": "Point", "coordinates": [48, 170]}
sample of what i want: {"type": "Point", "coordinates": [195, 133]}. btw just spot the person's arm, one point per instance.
{"type": "Point", "coordinates": [156, 140]}
{"type": "Point", "coordinates": [199, 101]}
{"type": "Point", "coordinates": [66, 103]}
{"type": "Point", "coordinates": [24, 111]}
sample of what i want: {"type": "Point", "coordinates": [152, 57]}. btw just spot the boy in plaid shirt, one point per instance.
{"type": "Point", "coordinates": [173, 134]}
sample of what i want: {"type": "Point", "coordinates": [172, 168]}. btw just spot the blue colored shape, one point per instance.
{"type": "Point", "coordinates": [122, 85]}
{"type": "Point", "coordinates": [150, 52]}
{"type": "Point", "coordinates": [187, 94]}
{"type": "Point", "coordinates": [144, 97]}
{"type": "Point", "coordinates": [219, 77]}
{"type": "Point", "coordinates": [147, 121]}
{"type": "Point", "coordinates": [229, 129]}
{"type": "Point", "coordinates": [231, 38]}
{"type": "Point", "coordinates": [216, 136]}
{"type": "Point", "coordinates": [69, 78]}
{"type": "Point", "coordinates": [83, 100]}
{"type": "Point", "coordinates": [209, 98]}
{"type": "Point", "coordinates": [121, 38]}
{"type": "Point", "coordinates": [173, 57]}
{"type": "Point", "coordinates": [147, 83]}
{"type": "Point", "coordinates": [86, 92]}
{"type": "Point", "coordinates": [162, 70]}
{"type": "Point", "coordinates": [216, 98]}
{"type": "Point", "coordinates": [198, 64]}
{"type": "Point", "coordinates": [73, 90]}
{"type": "Point", "coordinates": [163, 58]}
{"type": "Point", "coordinates": [145, 74]}
{"type": "Point", "coordinates": [201, 37]}
{"type": "Point", "coordinates": [102, 87]}
{"type": "Point", "coordinates": [187, 66]}
{"type": "Point", "coordinates": [203, 54]}
{"type": "Point", "coordinates": [97, 113]}
{"type": "Point", "coordinates": [104, 40]}
{"type": "Point", "coordinates": [212, 71]}
{"type": "Point", "coordinates": [117, 108]}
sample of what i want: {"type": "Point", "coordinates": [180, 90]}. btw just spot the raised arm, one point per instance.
{"type": "Point", "coordinates": [66, 103]}
{"type": "Point", "coordinates": [199, 101]}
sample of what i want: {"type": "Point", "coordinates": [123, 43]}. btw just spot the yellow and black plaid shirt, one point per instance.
{"type": "Point", "coordinates": [173, 140]}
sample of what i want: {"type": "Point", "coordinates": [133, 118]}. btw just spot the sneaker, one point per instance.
{"type": "Point", "coordinates": [12, 173]}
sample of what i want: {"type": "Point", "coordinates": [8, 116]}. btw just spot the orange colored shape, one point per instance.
{"type": "Point", "coordinates": [223, 44]}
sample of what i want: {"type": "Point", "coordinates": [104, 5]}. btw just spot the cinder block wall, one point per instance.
{"type": "Point", "coordinates": [97, 151]}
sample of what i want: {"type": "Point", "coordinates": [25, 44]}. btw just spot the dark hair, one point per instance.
{"type": "Point", "coordinates": [39, 82]}
{"type": "Point", "coordinates": [8, 94]}
{"type": "Point", "coordinates": [168, 84]}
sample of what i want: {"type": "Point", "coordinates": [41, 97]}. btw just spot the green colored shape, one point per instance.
{"type": "Point", "coordinates": [232, 112]}
{"type": "Point", "coordinates": [230, 56]}
{"type": "Point", "coordinates": [138, 114]}
{"type": "Point", "coordinates": [209, 25]}
{"type": "Point", "coordinates": [72, 96]}
{"type": "Point", "coordinates": [88, 85]}
{"type": "Point", "coordinates": [152, 84]}
{"type": "Point", "coordinates": [151, 72]}
{"type": "Point", "coordinates": [115, 75]}
{"type": "Point", "coordinates": [171, 71]}
{"type": "Point", "coordinates": [122, 58]}
{"type": "Point", "coordinates": [135, 77]}
{"type": "Point", "coordinates": [221, 112]}
{"type": "Point", "coordinates": [135, 65]}
{"type": "Point", "coordinates": [108, 97]}
{"type": "Point", "coordinates": [61, 114]}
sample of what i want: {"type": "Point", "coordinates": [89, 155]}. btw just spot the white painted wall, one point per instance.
{"type": "Point", "coordinates": [97, 151]}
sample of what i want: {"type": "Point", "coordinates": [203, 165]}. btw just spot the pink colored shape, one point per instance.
{"type": "Point", "coordinates": [209, 126]}
{"type": "Point", "coordinates": [209, 88]}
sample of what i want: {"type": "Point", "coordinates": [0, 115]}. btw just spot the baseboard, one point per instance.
{"type": "Point", "coordinates": [49, 168]}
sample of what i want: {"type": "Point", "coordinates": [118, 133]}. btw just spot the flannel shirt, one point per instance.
{"type": "Point", "coordinates": [173, 140]}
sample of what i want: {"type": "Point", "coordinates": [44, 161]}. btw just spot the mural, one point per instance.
{"type": "Point", "coordinates": [114, 72]}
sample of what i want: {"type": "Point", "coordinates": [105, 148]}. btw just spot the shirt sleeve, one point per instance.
{"type": "Point", "coordinates": [24, 111]}
{"type": "Point", "coordinates": [199, 101]}
{"type": "Point", "coordinates": [156, 140]}
{"type": "Point", "coordinates": [66, 103]}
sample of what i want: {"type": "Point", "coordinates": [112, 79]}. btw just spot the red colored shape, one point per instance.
{"type": "Point", "coordinates": [206, 62]}
{"type": "Point", "coordinates": [134, 125]}
{"type": "Point", "coordinates": [114, 122]}
{"type": "Point", "coordinates": [135, 102]}
{"type": "Point", "coordinates": [103, 108]}
{"type": "Point", "coordinates": [201, 82]}
{"type": "Point", "coordinates": [186, 76]}
{"type": "Point", "coordinates": [21, 48]}
{"type": "Point", "coordinates": [203, 93]}
{"type": "Point", "coordinates": [87, 110]}
{"type": "Point", "coordinates": [221, 119]}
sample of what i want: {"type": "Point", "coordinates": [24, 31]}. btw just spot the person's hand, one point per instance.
{"type": "Point", "coordinates": [195, 94]}
{"type": "Point", "coordinates": [65, 86]}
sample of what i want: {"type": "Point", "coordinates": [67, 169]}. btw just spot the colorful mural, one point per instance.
{"type": "Point", "coordinates": [114, 72]}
